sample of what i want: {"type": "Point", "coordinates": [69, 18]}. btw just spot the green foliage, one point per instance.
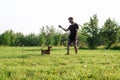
{"type": "Point", "coordinates": [57, 39]}
{"type": "Point", "coordinates": [110, 32]}
{"type": "Point", "coordinates": [90, 29]}
{"type": "Point", "coordinates": [31, 40]}
{"type": "Point", "coordinates": [42, 40]}
{"type": "Point", "coordinates": [20, 40]}
{"type": "Point", "coordinates": [42, 36]}
{"type": "Point", "coordinates": [0, 39]}
{"type": "Point", "coordinates": [82, 40]}
{"type": "Point", "coordinates": [64, 39]}
{"type": "Point", "coordinates": [8, 38]}
{"type": "Point", "coordinates": [49, 36]}
{"type": "Point", "coordinates": [115, 46]}
{"type": "Point", "coordinates": [5, 38]}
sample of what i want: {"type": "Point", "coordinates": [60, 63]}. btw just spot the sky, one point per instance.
{"type": "Point", "coordinates": [28, 16]}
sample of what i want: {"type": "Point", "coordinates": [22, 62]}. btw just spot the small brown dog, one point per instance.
{"type": "Point", "coordinates": [46, 51]}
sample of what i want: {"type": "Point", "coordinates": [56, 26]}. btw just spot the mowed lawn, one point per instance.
{"type": "Point", "coordinates": [26, 63]}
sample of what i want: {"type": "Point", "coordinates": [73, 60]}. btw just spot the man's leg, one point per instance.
{"type": "Point", "coordinates": [75, 46]}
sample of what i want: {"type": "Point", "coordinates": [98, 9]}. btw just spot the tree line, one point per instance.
{"type": "Point", "coordinates": [90, 36]}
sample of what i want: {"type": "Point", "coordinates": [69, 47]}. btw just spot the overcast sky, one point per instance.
{"type": "Point", "coordinates": [28, 16]}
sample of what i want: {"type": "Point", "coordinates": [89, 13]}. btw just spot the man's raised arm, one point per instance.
{"type": "Point", "coordinates": [63, 28]}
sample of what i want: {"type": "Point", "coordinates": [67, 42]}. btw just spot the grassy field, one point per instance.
{"type": "Point", "coordinates": [26, 63]}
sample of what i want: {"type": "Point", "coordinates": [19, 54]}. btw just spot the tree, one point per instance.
{"type": "Point", "coordinates": [119, 35]}
{"type": "Point", "coordinates": [82, 40]}
{"type": "Point", "coordinates": [31, 40]}
{"type": "Point", "coordinates": [57, 39]}
{"type": "Point", "coordinates": [12, 37]}
{"type": "Point", "coordinates": [42, 40]}
{"type": "Point", "coordinates": [50, 35]}
{"type": "Point", "coordinates": [0, 39]}
{"type": "Point", "coordinates": [110, 32]}
{"type": "Point", "coordinates": [42, 36]}
{"type": "Point", "coordinates": [90, 30]}
{"type": "Point", "coordinates": [20, 39]}
{"type": "Point", "coordinates": [64, 39]}
{"type": "Point", "coordinates": [46, 36]}
{"type": "Point", "coordinates": [5, 38]}
{"type": "Point", "coordinates": [8, 38]}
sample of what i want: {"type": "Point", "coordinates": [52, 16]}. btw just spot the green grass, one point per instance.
{"type": "Point", "coordinates": [26, 63]}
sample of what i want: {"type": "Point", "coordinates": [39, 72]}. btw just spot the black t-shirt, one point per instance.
{"type": "Point", "coordinates": [73, 31]}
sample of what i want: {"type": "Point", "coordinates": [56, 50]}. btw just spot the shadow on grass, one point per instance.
{"type": "Point", "coordinates": [104, 63]}
{"type": "Point", "coordinates": [45, 49]}
{"type": "Point", "coordinates": [58, 49]}
{"type": "Point", "coordinates": [32, 49]}
{"type": "Point", "coordinates": [20, 56]}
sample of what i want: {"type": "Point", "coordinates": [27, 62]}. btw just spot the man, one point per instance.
{"type": "Point", "coordinates": [73, 28]}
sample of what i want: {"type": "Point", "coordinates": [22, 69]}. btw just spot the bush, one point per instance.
{"type": "Point", "coordinates": [83, 47]}
{"type": "Point", "coordinates": [116, 46]}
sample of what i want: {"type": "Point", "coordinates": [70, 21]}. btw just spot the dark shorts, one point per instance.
{"type": "Point", "coordinates": [72, 41]}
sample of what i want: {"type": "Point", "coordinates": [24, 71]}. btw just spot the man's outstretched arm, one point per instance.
{"type": "Point", "coordinates": [63, 28]}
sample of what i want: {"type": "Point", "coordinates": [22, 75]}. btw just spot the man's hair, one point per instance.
{"type": "Point", "coordinates": [70, 18]}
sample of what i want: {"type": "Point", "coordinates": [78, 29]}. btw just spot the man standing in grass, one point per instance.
{"type": "Point", "coordinates": [73, 28]}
